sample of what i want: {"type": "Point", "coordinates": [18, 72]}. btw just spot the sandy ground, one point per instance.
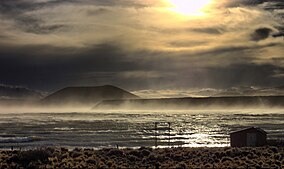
{"type": "Point", "coordinates": [262, 157]}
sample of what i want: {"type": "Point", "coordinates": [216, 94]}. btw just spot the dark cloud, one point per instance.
{"type": "Point", "coordinates": [15, 10]}
{"type": "Point", "coordinates": [246, 75]}
{"type": "Point", "coordinates": [36, 26]}
{"type": "Point", "coordinates": [50, 67]}
{"type": "Point", "coordinates": [182, 44]}
{"type": "Point", "coordinates": [53, 68]}
{"type": "Point", "coordinates": [280, 32]}
{"type": "Point", "coordinates": [209, 30]}
{"type": "Point", "coordinates": [261, 34]}
{"type": "Point", "coordinates": [213, 63]}
{"type": "Point", "coordinates": [274, 5]}
{"type": "Point", "coordinates": [98, 11]}
{"type": "Point", "coordinates": [237, 3]}
{"type": "Point", "coordinates": [4, 37]}
{"type": "Point", "coordinates": [227, 50]}
{"type": "Point", "coordinates": [16, 6]}
{"type": "Point", "coordinates": [215, 77]}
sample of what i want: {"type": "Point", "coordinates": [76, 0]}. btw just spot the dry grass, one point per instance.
{"type": "Point", "coordinates": [262, 157]}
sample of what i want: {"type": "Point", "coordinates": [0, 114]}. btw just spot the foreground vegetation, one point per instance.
{"type": "Point", "coordinates": [262, 157]}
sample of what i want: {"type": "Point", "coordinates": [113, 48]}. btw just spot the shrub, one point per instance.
{"type": "Point", "coordinates": [91, 161]}
{"type": "Point", "coordinates": [115, 152]}
{"type": "Point", "coordinates": [274, 149]}
{"type": "Point", "coordinates": [75, 154]}
{"type": "Point", "coordinates": [135, 153]}
{"type": "Point", "coordinates": [224, 159]}
{"type": "Point", "coordinates": [145, 152]}
{"type": "Point", "coordinates": [33, 156]}
{"type": "Point", "coordinates": [64, 149]}
{"type": "Point", "coordinates": [132, 158]}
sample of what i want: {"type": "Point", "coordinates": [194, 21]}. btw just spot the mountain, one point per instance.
{"type": "Point", "coordinates": [8, 92]}
{"type": "Point", "coordinates": [87, 95]}
{"type": "Point", "coordinates": [280, 88]}
{"type": "Point", "coordinates": [195, 103]}
{"type": "Point", "coordinates": [251, 91]}
{"type": "Point", "coordinates": [205, 92]}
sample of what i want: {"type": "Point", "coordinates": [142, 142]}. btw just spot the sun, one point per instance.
{"type": "Point", "coordinates": [189, 7]}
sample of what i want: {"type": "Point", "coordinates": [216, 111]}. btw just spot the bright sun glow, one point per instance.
{"type": "Point", "coordinates": [189, 7]}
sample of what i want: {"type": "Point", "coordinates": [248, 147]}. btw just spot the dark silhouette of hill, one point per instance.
{"type": "Point", "coordinates": [8, 92]}
{"type": "Point", "coordinates": [87, 95]}
{"type": "Point", "coordinates": [250, 91]}
{"type": "Point", "coordinates": [187, 103]}
{"type": "Point", "coordinates": [280, 87]}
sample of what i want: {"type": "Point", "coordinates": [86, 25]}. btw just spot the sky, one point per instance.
{"type": "Point", "coordinates": [142, 45]}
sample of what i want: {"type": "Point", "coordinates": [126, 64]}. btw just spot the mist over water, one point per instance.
{"type": "Point", "coordinates": [98, 129]}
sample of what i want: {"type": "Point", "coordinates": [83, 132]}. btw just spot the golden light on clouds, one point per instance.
{"type": "Point", "coordinates": [189, 7]}
{"type": "Point", "coordinates": [167, 43]}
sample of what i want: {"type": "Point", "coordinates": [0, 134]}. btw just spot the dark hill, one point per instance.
{"type": "Point", "coordinates": [87, 95]}
{"type": "Point", "coordinates": [250, 91]}
{"type": "Point", "coordinates": [199, 103]}
{"type": "Point", "coordinates": [8, 92]}
{"type": "Point", "coordinates": [280, 87]}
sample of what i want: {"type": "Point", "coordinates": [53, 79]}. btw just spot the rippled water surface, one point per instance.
{"type": "Point", "coordinates": [133, 129]}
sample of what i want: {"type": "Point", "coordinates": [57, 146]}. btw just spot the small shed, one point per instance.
{"type": "Point", "coordinates": [250, 137]}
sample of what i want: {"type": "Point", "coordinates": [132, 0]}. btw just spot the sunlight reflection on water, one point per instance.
{"type": "Point", "coordinates": [133, 129]}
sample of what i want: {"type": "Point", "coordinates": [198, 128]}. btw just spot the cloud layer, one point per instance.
{"type": "Point", "coordinates": [141, 44]}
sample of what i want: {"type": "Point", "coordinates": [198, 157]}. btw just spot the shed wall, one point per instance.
{"type": "Point", "coordinates": [239, 139]}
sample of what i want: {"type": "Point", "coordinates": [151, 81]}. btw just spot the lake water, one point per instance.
{"type": "Point", "coordinates": [133, 128]}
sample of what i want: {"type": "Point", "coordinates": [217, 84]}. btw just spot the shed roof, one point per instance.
{"type": "Point", "coordinates": [251, 128]}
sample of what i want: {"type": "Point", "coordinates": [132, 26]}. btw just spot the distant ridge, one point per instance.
{"type": "Point", "coordinates": [87, 95]}
{"type": "Point", "coordinates": [250, 91]}
{"type": "Point", "coordinates": [188, 103]}
{"type": "Point", "coordinates": [9, 92]}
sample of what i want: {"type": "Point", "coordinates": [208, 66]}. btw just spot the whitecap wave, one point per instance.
{"type": "Point", "coordinates": [18, 139]}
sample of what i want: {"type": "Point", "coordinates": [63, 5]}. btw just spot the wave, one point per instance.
{"type": "Point", "coordinates": [19, 139]}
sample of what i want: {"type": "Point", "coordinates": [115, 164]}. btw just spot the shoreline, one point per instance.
{"type": "Point", "coordinates": [144, 157]}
